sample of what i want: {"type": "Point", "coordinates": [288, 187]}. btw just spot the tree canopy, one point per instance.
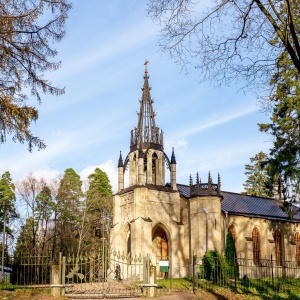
{"type": "Point", "coordinates": [29, 30]}
{"type": "Point", "coordinates": [284, 128]}
{"type": "Point", "coordinates": [7, 200]}
{"type": "Point", "coordinates": [230, 40]}
{"type": "Point", "coordinates": [259, 181]}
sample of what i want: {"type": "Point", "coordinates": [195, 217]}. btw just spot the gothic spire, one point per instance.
{"type": "Point", "coordinates": [120, 162]}
{"type": "Point", "coordinates": [146, 131]}
{"type": "Point", "coordinates": [173, 159]}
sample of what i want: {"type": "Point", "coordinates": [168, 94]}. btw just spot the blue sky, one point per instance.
{"type": "Point", "coordinates": [107, 42]}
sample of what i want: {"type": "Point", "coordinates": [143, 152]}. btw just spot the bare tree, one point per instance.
{"type": "Point", "coordinates": [28, 31]}
{"type": "Point", "coordinates": [28, 190]}
{"type": "Point", "coordinates": [231, 40]}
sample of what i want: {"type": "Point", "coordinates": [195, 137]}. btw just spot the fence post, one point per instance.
{"type": "Point", "coordinates": [55, 286]}
{"type": "Point", "coordinates": [63, 277]}
{"type": "Point", "coordinates": [56, 275]}
{"type": "Point", "coordinates": [272, 271]}
{"type": "Point", "coordinates": [195, 274]}
{"type": "Point", "coordinates": [234, 272]}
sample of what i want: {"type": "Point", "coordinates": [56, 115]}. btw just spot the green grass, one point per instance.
{"type": "Point", "coordinates": [265, 289]}
{"type": "Point", "coordinates": [177, 283]}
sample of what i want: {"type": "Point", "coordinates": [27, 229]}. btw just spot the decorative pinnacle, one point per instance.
{"type": "Point", "coordinates": [191, 180]}
{"type": "Point", "coordinates": [120, 163]}
{"type": "Point", "coordinates": [173, 159]}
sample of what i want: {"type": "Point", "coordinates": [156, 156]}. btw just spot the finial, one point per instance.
{"type": "Point", "coordinates": [120, 163]}
{"type": "Point", "coordinates": [209, 183]}
{"type": "Point", "coordinates": [173, 159]}
{"type": "Point", "coordinates": [197, 178]}
{"type": "Point", "coordinates": [191, 180]}
{"type": "Point", "coordinates": [209, 177]}
{"type": "Point", "coordinates": [146, 66]}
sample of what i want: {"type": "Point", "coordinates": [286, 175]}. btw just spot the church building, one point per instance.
{"type": "Point", "coordinates": [171, 222]}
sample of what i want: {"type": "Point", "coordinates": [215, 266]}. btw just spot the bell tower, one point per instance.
{"type": "Point", "coordinates": [147, 214]}
{"type": "Point", "coordinates": [146, 159]}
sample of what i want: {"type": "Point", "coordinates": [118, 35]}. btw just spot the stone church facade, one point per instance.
{"type": "Point", "coordinates": [172, 221]}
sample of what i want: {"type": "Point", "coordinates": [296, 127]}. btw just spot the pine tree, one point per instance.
{"type": "Point", "coordinates": [230, 254]}
{"type": "Point", "coordinates": [99, 202]}
{"type": "Point", "coordinates": [69, 210]}
{"type": "Point", "coordinates": [29, 31]}
{"type": "Point", "coordinates": [258, 182]}
{"type": "Point", "coordinates": [284, 128]}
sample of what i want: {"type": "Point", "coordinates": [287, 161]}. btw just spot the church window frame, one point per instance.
{"type": "Point", "coordinates": [256, 245]}
{"type": "Point", "coordinates": [232, 229]}
{"type": "Point", "coordinates": [154, 159]}
{"type": "Point", "coordinates": [278, 247]}
{"type": "Point", "coordinates": [297, 243]}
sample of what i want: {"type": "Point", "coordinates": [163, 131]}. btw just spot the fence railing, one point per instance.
{"type": "Point", "coordinates": [244, 274]}
{"type": "Point", "coordinates": [29, 270]}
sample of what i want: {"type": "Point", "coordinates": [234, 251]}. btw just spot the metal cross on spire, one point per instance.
{"type": "Point", "coordinates": [146, 66]}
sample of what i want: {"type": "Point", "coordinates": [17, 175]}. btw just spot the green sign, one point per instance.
{"type": "Point", "coordinates": [164, 269]}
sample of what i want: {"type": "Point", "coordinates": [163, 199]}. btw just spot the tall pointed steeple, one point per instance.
{"type": "Point", "coordinates": [146, 132]}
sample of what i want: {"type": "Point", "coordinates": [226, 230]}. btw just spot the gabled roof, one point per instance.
{"type": "Point", "coordinates": [245, 205]}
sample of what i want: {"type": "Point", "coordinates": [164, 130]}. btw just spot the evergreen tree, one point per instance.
{"type": "Point", "coordinates": [44, 214]}
{"type": "Point", "coordinates": [8, 211]}
{"type": "Point", "coordinates": [230, 254]}
{"type": "Point", "coordinates": [7, 201]}
{"type": "Point", "coordinates": [29, 31]}
{"type": "Point", "coordinates": [99, 192]}
{"type": "Point", "coordinates": [284, 128]}
{"type": "Point", "coordinates": [69, 210]}
{"type": "Point", "coordinates": [258, 182]}
{"type": "Point", "coordinates": [99, 204]}
{"type": "Point", "coordinates": [24, 241]}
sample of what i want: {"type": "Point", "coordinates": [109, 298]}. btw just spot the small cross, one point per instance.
{"type": "Point", "coordinates": [146, 66]}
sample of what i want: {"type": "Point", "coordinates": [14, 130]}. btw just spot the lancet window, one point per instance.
{"type": "Point", "coordinates": [232, 229]}
{"type": "Point", "coordinates": [278, 247]}
{"type": "Point", "coordinates": [256, 245]}
{"type": "Point", "coordinates": [297, 242]}
{"type": "Point", "coordinates": [154, 167]}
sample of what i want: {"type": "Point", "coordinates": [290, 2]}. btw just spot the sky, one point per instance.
{"type": "Point", "coordinates": [103, 54]}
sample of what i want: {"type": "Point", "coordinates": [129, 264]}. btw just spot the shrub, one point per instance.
{"type": "Point", "coordinates": [214, 267]}
{"type": "Point", "coordinates": [230, 255]}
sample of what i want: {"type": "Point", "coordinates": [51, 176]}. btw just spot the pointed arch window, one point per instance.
{"type": "Point", "coordinates": [232, 229]}
{"type": "Point", "coordinates": [278, 247]}
{"type": "Point", "coordinates": [128, 238]}
{"type": "Point", "coordinates": [154, 167]}
{"type": "Point", "coordinates": [297, 242]}
{"type": "Point", "coordinates": [256, 245]}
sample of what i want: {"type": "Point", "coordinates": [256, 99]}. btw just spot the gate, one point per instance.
{"type": "Point", "coordinates": [102, 273]}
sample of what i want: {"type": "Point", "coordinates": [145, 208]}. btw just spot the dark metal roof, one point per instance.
{"type": "Point", "coordinates": [245, 205]}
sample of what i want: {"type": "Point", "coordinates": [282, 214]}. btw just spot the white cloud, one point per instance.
{"type": "Point", "coordinates": [205, 124]}
{"type": "Point", "coordinates": [108, 167]}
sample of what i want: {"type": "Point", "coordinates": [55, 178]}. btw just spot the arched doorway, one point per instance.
{"type": "Point", "coordinates": [160, 249]}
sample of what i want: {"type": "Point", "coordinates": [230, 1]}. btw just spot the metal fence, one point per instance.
{"type": "Point", "coordinates": [245, 275]}
{"type": "Point", "coordinates": [29, 270]}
